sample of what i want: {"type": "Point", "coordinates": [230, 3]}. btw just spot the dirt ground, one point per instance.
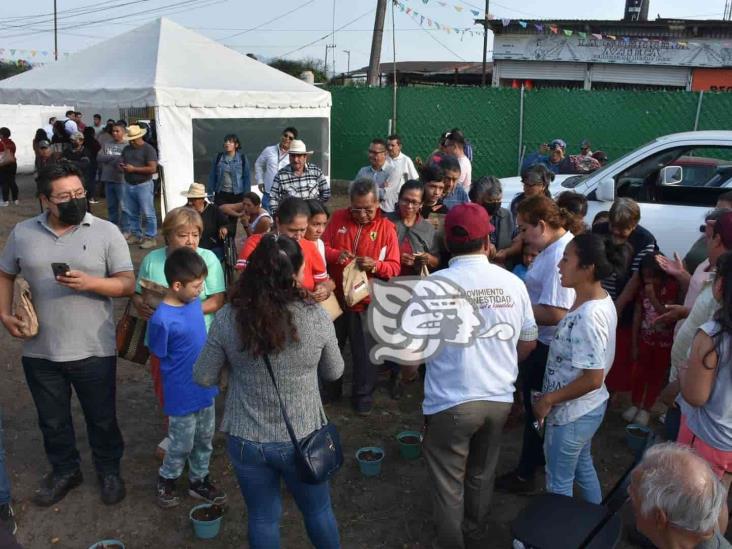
{"type": "Point", "coordinates": [392, 510]}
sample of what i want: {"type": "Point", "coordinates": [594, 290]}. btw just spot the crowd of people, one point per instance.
{"type": "Point", "coordinates": [587, 311]}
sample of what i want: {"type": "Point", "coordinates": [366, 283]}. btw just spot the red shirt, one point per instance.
{"type": "Point", "coordinates": [314, 268]}
{"type": "Point", "coordinates": [7, 143]}
{"type": "Point", "coordinates": [377, 239]}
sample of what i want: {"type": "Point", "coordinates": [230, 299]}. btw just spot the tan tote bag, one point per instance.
{"type": "Point", "coordinates": [355, 284]}
{"type": "Point", "coordinates": [23, 307]}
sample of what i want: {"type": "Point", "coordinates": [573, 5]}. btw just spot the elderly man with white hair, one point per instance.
{"type": "Point", "coordinates": [678, 501]}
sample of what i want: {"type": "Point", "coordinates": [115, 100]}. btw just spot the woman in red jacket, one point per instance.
{"type": "Point", "coordinates": [362, 234]}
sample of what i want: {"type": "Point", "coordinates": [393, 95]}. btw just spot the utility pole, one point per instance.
{"type": "Point", "coordinates": [329, 47]}
{"type": "Point", "coordinates": [372, 77]}
{"type": "Point", "coordinates": [485, 45]}
{"type": "Point", "coordinates": [55, 33]}
{"type": "Point", "coordinates": [348, 53]}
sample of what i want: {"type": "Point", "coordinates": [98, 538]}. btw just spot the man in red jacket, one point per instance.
{"type": "Point", "coordinates": [361, 234]}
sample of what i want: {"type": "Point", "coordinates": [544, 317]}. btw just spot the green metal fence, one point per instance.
{"type": "Point", "coordinates": [614, 121]}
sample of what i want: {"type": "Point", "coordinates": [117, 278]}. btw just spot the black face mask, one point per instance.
{"type": "Point", "coordinates": [492, 208]}
{"type": "Point", "coordinates": [72, 212]}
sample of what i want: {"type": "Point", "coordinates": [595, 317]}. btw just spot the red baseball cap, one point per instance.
{"type": "Point", "coordinates": [471, 221]}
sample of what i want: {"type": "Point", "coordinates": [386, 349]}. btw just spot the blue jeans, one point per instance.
{"type": "Point", "coordinates": [568, 458]}
{"type": "Point", "coordinates": [140, 202]}
{"type": "Point", "coordinates": [266, 202]}
{"type": "Point", "coordinates": [4, 478]}
{"type": "Point", "coordinates": [258, 468]}
{"type": "Point", "coordinates": [190, 440]}
{"type": "Point", "coordinates": [115, 193]}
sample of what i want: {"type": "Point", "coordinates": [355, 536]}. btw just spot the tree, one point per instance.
{"type": "Point", "coordinates": [8, 69]}
{"type": "Point", "coordinates": [297, 67]}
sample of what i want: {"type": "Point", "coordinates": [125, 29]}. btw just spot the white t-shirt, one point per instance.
{"type": "Point", "coordinates": [585, 340]}
{"type": "Point", "coordinates": [486, 368]}
{"type": "Point", "coordinates": [545, 285]}
{"type": "Point", "coordinates": [466, 172]}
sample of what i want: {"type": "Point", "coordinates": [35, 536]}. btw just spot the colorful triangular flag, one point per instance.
{"type": "Point", "coordinates": [458, 8]}
{"type": "Point", "coordinates": [523, 24]}
{"type": "Point", "coordinates": [596, 35]}
{"type": "Point", "coordinates": [567, 32]}
{"type": "Point", "coordinates": [505, 22]}
{"type": "Point", "coordinates": [475, 12]}
{"type": "Point", "coordinates": [582, 34]}
{"type": "Point", "coordinates": [539, 28]}
{"type": "Point", "coordinates": [554, 29]}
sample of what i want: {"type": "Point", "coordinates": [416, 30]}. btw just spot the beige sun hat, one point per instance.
{"type": "Point", "coordinates": [134, 131]}
{"type": "Point", "coordinates": [298, 147]}
{"type": "Point", "coordinates": [196, 190]}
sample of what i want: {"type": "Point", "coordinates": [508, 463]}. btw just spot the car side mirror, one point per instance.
{"type": "Point", "coordinates": [606, 190]}
{"type": "Point", "coordinates": [672, 175]}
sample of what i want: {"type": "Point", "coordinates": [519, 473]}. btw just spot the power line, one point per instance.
{"type": "Point", "coordinates": [267, 22]}
{"type": "Point", "coordinates": [440, 43]}
{"type": "Point", "coordinates": [160, 10]}
{"type": "Point", "coordinates": [370, 11]}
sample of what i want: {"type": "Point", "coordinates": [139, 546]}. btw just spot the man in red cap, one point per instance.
{"type": "Point", "coordinates": [470, 379]}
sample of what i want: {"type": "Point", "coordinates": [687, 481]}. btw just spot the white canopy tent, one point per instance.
{"type": "Point", "coordinates": [184, 76]}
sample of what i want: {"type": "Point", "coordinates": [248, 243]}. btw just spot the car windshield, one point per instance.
{"type": "Point", "coordinates": [572, 182]}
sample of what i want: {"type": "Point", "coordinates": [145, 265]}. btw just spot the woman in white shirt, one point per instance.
{"type": "Point", "coordinates": [572, 404]}
{"type": "Point", "coordinates": [546, 227]}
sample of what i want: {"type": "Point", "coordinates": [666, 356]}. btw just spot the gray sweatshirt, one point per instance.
{"type": "Point", "coordinates": [252, 410]}
{"type": "Point", "coordinates": [108, 160]}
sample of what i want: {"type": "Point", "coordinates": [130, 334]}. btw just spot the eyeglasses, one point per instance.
{"type": "Point", "coordinates": [362, 211]}
{"type": "Point", "coordinates": [372, 151]}
{"type": "Point", "coordinates": [65, 197]}
{"type": "Point", "coordinates": [412, 203]}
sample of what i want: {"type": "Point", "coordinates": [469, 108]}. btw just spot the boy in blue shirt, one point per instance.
{"type": "Point", "coordinates": [176, 334]}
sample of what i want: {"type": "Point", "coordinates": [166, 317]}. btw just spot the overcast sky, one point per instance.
{"type": "Point", "coordinates": [296, 28]}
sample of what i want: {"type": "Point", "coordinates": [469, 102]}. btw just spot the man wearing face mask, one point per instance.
{"type": "Point", "coordinates": [488, 192]}
{"type": "Point", "coordinates": [75, 343]}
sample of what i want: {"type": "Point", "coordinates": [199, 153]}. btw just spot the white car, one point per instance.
{"type": "Point", "coordinates": [676, 179]}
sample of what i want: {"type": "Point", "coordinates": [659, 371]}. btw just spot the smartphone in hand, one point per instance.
{"type": "Point", "coordinates": [60, 269]}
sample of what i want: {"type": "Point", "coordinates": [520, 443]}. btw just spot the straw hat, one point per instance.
{"type": "Point", "coordinates": [298, 147]}
{"type": "Point", "coordinates": [134, 131]}
{"type": "Point", "coordinates": [196, 190]}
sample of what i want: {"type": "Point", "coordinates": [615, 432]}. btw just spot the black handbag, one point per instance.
{"type": "Point", "coordinates": [319, 455]}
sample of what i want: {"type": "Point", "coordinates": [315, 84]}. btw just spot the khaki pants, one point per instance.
{"type": "Point", "coordinates": [461, 447]}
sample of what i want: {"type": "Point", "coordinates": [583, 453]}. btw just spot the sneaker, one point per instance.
{"type": "Point", "coordinates": [167, 497]}
{"type": "Point", "coordinates": [132, 239]}
{"type": "Point", "coordinates": [642, 418]}
{"type": "Point", "coordinates": [54, 487]}
{"type": "Point", "coordinates": [7, 518]}
{"type": "Point", "coordinates": [630, 413]}
{"type": "Point", "coordinates": [4, 204]}
{"type": "Point", "coordinates": [148, 243]}
{"type": "Point", "coordinates": [17, 202]}
{"type": "Point", "coordinates": [511, 482]}
{"type": "Point", "coordinates": [205, 490]}
{"type": "Point", "coordinates": [112, 488]}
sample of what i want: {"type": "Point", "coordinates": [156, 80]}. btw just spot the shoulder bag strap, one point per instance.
{"type": "Point", "coordinates": [290, 430]}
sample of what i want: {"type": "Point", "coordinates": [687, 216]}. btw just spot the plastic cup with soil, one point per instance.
{"type": "Point", "coordinates": [410, 444]}
{"type": "Point", "coordinates": [108, 544]}
{"type": "Point", "coordinates": [206, 519]}
{"type": "Point", "coordinates": [636, 436]}
{"type": "Point", "coordinates": [369, 460]}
